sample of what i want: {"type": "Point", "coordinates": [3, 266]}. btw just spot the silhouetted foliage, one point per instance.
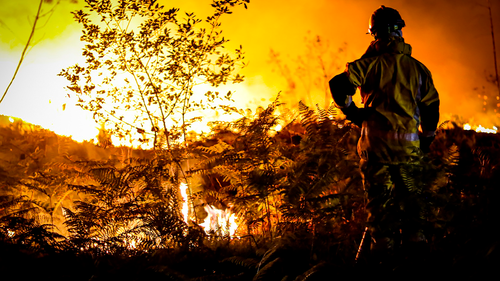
{"type": "Point", "coordinates": [143, 63]}
{"type": "Point", "coordinates": [292, 179]}
{"type": "Point", "coordinates": [297, 192]}
{"type": "Point", "coordinates": [135, 208]}
{"type": "Point", "coordinates": [308, 74]}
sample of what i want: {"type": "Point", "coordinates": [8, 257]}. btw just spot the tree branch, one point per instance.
{"type": "Point", "coordinates": [25, 49]}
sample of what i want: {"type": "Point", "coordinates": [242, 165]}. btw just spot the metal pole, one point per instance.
{"type": "Point", "coordinates": [494, 51]}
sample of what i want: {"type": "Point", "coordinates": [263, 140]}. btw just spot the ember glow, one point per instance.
{"type": "Point", "coordinates": [481, 129]}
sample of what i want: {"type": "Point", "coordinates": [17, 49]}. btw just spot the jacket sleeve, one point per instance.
{"type": "Point", "coordinates": [342, 90]}
{"type": "Point", "coordinates": [359, 70]}
{"type": "Point", "coordinates": [344, 85]}
{"type": "Point", "coordinates": [428, 105]}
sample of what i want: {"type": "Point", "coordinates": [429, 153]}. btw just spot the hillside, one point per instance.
{"type": "Point", "coordinates": [296, 195]}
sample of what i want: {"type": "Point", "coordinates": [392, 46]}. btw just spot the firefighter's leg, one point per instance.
{"type": "Point", "coordinates": [408, 195]}
{"type": "Point", "coordinates": [382, 214]}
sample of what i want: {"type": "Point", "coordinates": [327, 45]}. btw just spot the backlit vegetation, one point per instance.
{"type": "Point", "coordinates": [286, 179]}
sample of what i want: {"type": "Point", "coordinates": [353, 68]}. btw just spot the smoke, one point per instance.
{"type": "Point", "coordinates": [17, 17]}
{"type": "Point", "coordinates": [451, 37]}
{"type": "Point", "coordinates": [37, 94]}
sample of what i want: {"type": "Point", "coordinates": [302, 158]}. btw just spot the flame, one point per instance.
{"type": "Point", "coordinates": [219, 221]}
{"type": "Point", "coordinates": [131, 243]}
{"type": "Point", "coordinates": [481, 129]}
{"type": "Point", "coordinates": [185, 206]}
{"type": "Point", "coordinates": [278, 127]}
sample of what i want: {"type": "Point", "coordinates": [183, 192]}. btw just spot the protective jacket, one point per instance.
{"type": "Point", "coordinates": [399, 98]}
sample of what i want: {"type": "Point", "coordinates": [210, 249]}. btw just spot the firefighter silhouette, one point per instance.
{"type": "Point", "coordinates": [398, 121]}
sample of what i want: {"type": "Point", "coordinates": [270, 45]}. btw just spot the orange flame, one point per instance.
{"type": "Point", "coordinates": [185, 206]}
{"type": "Point", "coordinates": [220, 221]}
{"type": "Point", "coordinates": [481, 129]}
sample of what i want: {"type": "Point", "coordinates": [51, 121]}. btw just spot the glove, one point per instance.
{"type": "Point", "coordinates": [425, 143]}
{"type": "Point", "coordinates": [354, 114]}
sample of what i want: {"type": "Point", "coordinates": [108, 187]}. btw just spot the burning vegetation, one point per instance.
{"type": "Point", "coordinates": [274, 194]}
{"type": "Point", "coordinates": [254, 197]}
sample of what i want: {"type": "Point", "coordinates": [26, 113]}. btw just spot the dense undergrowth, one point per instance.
{"type": "Point", "coordinates": [79, 211]}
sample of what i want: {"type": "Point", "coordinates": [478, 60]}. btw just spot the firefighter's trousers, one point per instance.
{"type": "Point", "coordinates": [394, 204]}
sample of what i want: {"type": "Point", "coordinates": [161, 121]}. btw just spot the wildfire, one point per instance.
{"type": "Point", "coordinates": [481, 129]}
{"type": "Point", "coordinates": [218, 221]}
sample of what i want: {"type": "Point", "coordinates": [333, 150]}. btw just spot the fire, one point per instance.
{"type": "Point", "coordinates": [185, 206]}
{"type": "Point", "coordinates": [218, 221]}
{"type": "Point", "coordinates": [481, 129]}
{"type": "Point", "coordinates": [278, 128]}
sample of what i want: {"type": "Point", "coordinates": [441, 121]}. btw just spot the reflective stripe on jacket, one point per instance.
{"type": "Point", "coordinates": [399, 95]}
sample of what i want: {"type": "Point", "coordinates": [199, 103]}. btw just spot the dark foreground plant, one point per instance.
{"type": "Point", "coordinates": [127, 222]}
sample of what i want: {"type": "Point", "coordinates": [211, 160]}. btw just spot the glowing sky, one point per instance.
{"type": "Point", "coordinates": [451, 37]}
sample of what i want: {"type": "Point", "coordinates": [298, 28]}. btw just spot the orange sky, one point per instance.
{"type": "Point", "coordinates": [451, 37]}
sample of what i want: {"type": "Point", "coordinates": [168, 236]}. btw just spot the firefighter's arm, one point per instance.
{"type": "Point", "coordinates": [429, 113]}
{"type": "Point", "coordinates": [342, 91]}
{"type": "Point", "coordinates": [344, 85]}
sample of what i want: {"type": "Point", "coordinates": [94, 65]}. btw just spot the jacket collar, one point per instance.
{"type": "Point", "coordinates": [391, 45]}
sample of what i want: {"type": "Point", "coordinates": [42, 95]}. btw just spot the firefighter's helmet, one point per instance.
{"type": "Point", "coordinates": [384, 21]}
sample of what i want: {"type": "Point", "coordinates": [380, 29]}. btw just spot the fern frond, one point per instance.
{"type": "Point", "coordinates": [332, 111]}
{"type": "Point", "coordinates": [247, 263]}
{"type": "Point", "coordinates": [307, 118]}
{"type": "Point", "coordinates": [217, 148]}
{"type": "Point", "coordinates": [314, 273]}
{"type": "Point", "coordinates": [443, 125]}
{"type": "Point", "coordinates": [322, 113]}
{"type": "Point", "coordinates": [105, 176]}
{"type": "Point", "coordinates": [269, 270]}
{"type": "Point", "coordinates": [453, 156]}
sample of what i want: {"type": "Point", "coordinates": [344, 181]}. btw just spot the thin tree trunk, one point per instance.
{"type": "Point", "coordinates": [25, 49]}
